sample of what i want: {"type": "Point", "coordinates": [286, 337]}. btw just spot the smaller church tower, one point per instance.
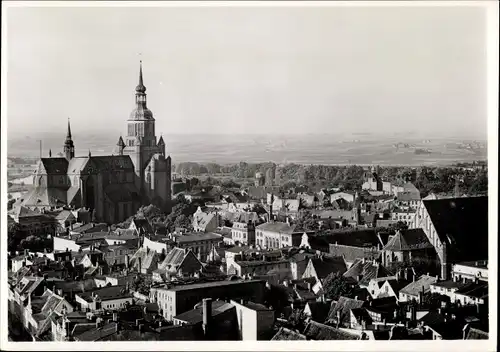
{"type": "Point", "coordinates": [69, 147]}
{"type": "Point", "coordinates": [121, 146]}
{"type": "Point", "coordinates": [161, 146]}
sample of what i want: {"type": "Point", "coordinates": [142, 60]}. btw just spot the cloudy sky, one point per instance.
{"type": "Point", "coordinates": [248, 69]}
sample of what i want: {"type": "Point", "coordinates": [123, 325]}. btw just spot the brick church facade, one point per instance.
{"type": "Point", "coordinates": [112, 186]}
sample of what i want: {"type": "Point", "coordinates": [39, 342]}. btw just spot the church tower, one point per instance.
{"type": "Point", "coordinates": [140, 141]}
{"type": "Point", "coordinates": [69, 147]}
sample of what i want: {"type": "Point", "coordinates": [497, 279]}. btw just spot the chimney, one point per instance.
{"type": "Point", "coordinates": [207, 316]}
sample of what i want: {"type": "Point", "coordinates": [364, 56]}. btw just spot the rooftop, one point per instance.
{"type": "Point", "coordinates": [198, 237]}
{"type": "Point", "coordinates": [205, 285]}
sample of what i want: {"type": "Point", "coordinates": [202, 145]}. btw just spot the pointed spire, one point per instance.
{"type": "Point", "coordinates": [68, 136]}
{"type": "Point", "coordinates": [90, 154]}
{"type": "Point", "coordinates": [140, 73]}
{"type": "Point", "coordinates": [120, 143]}
{"type": "Point", "coordinates": [161, 141]}
{"type": "Point", "coordinates": [140, 87]}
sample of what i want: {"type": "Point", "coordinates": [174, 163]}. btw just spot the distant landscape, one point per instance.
{"type": "Point", "coordinates": [326, 149]}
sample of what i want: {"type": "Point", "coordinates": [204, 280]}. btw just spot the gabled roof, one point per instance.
{"type": "Point", "coordinates": [367, 270]}
{"type": "Point", "coordinates": [148, 258]}
{"type": "Point", "coordinates": [423, 283]}
{"type": "Point", "coordinates": [106, 293]}
{"type": "Point", "coordinates": [45, 196]}
{"type": "Point", "coordinates": [351, 253]}
{"type": "Point", "coordinates": [142, 224]}
{"type": "Point", "coordinates": [23, 212]}
{"type": "Point", "coordinates": [407, 240]}
{"type": "Point", "coordinates": [174, 257]}
{"type": "Point", "coordinates": [202, 219]}
{"type": "Point", "coordinates": [317, 331]}
{"type": "Point", "coordinates": [325, 265]}
{"type": "Point", "coordinates": [456, 220]}
{"type": "Point", "coordinates": [281, 227]}
{"type": "Point", "coordinates": [343, 307]}
{"type": "Point", "coordinates": [64, 215]}
{"type": "Point", "coordinates": [319, 310]}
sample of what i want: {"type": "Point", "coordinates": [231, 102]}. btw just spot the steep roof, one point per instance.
{"type": "Point", "coordinates": [319, 310]}
{"type": "Point", "coordinates": [53, 166]}
{"type": "Point", "coordinates": [317, 331]}
{"type": "Point", "coordinates": [326, 265]}
{"type": "Point", "coordinates": [407, 240]}
{"type": "Point", "coordinates": [45, 196]}
{"type": "Point", "coordinates": [202, 219]}
{"type": "Point", "coordinates": [122, 192]}
{"type": "Point", "coordinates": [23, 212]}
{"type": "Point", "coordinates": [456, 220]}
{"type": "Point", "coordinates": [98, 164]}
{"type": "Point", "coordinates": [343, 307]}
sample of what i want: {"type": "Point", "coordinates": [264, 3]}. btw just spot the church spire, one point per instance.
{"type": "Point", "coordinates": [140, 87]}
{"type": "Point", "coordinates": [68, 136]}
{"type": "Point", "coordinates": [69, 147]}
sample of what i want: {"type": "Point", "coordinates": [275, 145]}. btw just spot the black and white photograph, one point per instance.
{"type": "Point", "coordinates": [261, 175]}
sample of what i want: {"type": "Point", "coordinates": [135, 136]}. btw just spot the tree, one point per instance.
{"type": "Point", "coordinates": [259, 209]}
{"type": "Point", "coordinates": [14, 236]}
{"type": "Point", "coordinates": [336, 285]}
{"type": "Point", "coordinates": [400, 225]}
{"type": "Point", "coordinates": [297, 320]}
{"type": "Point", "coordinates": [149, 212]}
{"type": "Point", "coordinates": [480, 183]}
{"type": "Point", "coordinates": [307, 222]}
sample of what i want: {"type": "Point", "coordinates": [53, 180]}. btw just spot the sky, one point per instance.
{"type": "Point", "coordinates": [237, 70]}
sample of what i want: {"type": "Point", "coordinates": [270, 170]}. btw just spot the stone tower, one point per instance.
{"type": "Point", "coordinates": [140, 141]}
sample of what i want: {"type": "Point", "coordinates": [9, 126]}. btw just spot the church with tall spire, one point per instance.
{"type": "Point", "coordinates": [113, 187]}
